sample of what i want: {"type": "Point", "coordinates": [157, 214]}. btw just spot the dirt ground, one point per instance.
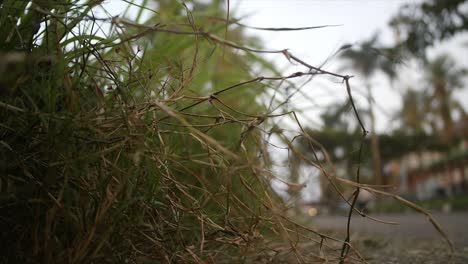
{"type": "Point", "coordinates": [414, 240]}
{"type": "Point", "coordinates": [384, 249]}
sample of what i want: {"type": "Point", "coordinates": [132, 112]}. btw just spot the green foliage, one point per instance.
{"type": "Point", "coordinates": [423, 24]}
{"type": "Point", "coordinates": [368, 58]}
{"type": "Point", "coordinates": [456, 202]}
{"type": "Point", "coordinates": [113, 145]}
{"type": "Point", "coordinates": [393, 145]}
{"type": "Point", "coordinates": [131, 141]}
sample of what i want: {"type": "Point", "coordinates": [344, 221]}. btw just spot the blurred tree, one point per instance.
{"type": "Point", "coordinates": [334, 117]}
{"type": "Point", "coordinates": [431, 110]}
{"type": "Point", "coordinates": [420, 25]}
{"type": "Point", "coordinates": [414, 112]}
{"type": "Point", "coordinates": [340, 137]}
{"type": "Point", "coordinates": [444, 77]}
{"type": "Point", "coordinates": [367, 60]}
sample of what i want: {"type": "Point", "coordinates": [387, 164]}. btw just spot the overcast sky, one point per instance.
{"type": "Point", "coordinates": [358, 20]}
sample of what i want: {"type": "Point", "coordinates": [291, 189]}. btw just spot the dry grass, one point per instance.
{"type": "Point", "coordinates": [130, 142]}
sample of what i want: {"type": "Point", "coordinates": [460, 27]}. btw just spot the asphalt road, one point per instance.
{"type": "Point", "coordinates": [413, 226]}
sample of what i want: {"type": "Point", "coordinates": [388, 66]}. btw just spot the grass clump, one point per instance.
{"type": "Point", "coordinates": [121, 143]}
{"type": "Point", "coordinates": [145, 138]}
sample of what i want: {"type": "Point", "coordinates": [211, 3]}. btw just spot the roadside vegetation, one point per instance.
{"type": "Point", "coordinates": [146, 138]}
{"type": "Point", "coordinates": [139, 138]}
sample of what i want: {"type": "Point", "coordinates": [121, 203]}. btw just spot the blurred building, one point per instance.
{"type": "Point", "coordinates": [429, 174]}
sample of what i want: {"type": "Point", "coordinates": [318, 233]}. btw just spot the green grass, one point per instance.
{"type": "Point", "coordinates": [456, 202]}
{"type": "Point", "coordinates": [113, 151]}
{"type": "Point", "coordinates": [130, 141]}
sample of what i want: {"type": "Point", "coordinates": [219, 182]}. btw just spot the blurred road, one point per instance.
{"type": "Point", "coordinates": [410, 226]}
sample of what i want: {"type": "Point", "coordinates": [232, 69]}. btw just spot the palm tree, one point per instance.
{"type": "Point", "coordinates": [444, 77]}
{"type": "Point", "coordinates": [368, 60]}
{"type": "Point", "coordinates": [415, 111]}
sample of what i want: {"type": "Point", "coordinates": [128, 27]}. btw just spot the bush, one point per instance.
{"type": "Point", "coordinates": [122, 146]}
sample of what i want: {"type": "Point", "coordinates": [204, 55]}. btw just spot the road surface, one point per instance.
{"type": "Point", "coordinates": [410, 225]}
{"type": "Point", "coordinates": [414, 240]}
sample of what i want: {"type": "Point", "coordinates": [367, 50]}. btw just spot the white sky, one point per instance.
{"type": "Point", "coordinates": [359, 19]}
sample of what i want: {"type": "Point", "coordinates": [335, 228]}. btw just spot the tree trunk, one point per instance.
{"type": "Point", "coordinates": [375, 148]}
{"type": "Point", "coordinates": [440, 94]}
